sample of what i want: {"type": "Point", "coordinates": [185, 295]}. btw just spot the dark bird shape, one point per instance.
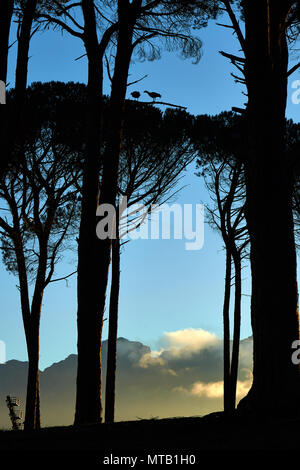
{"type": "Point", "coordinates": [136, 94]}
{"type": "Point", "coordinates": [153, 94]}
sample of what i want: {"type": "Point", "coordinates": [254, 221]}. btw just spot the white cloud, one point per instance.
{"type": "Point", "coordinates": [210, 390]}
{"type": "Point", "coordinates": [214, 389]}
{"type": "Point", "coordinates": [195, 348]}
{"type": "Point", "coordinates": [181, 344]}
{"type": "Point", "coordinates": [151, 359]}
{"type": "Point", "coordinates": [190, 338]}
{"type": "Point", "coordinates": [194, 357]}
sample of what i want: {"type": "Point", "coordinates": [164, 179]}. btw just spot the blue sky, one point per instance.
{"type": "Point", "coordinates": [163, 287]}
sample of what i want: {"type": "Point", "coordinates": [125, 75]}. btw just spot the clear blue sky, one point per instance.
{"type": "Point", "coordinates": [163, 286]}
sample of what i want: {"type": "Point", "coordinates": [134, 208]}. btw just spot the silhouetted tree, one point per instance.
{"type": "Point", "coordinates": [222, 165]}
{"type": "Point", "coordinates": [134, 25]}
{"type": "Point", "coordinates": [225, 182]}
{"type": "Point", "coordinates": [137, 25]}
{"type": "Point", "coordinates": [39, 213]}
{"type": "Point", "coordinates": [269, 187]}
{"type": "Point", "coordinates": [222, 146]}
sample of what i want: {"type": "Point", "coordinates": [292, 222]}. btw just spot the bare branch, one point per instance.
{"type": "Point", "coordinates": [64, 277]}
{"type": "Point", "coordinates": [163, 103]}
{"type": "Point", "coordinates": [232, 57]}
{"type": "Point", "coordinates": [293, 69]}
{"type": "Point", "coordinates": [137, 81]}
{"type": "Point", "coordinates": [235, 24]}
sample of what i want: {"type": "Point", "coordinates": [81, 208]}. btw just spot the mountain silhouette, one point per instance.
{"type": "Point", "coordinates": [148, 385]}
{"type": "Point", "coordinates": [58, 383]}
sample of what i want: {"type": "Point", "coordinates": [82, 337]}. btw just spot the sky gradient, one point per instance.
{"type": "Point", "coordinates": [164, 288]}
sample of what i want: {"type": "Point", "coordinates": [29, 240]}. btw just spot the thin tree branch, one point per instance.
{"type": "Point", "coordinates": [161, 102]}
{"type": "Point", "coordinates": [137, 81]}
{"type": "Point", "coordinates": [63, 278]}
{"type": "Point", "coordinates": [235, 24]}
{"type": "Point", "coordinates": [293, 69]}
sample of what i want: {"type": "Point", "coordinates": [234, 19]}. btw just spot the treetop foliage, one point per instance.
{"type": "Point", "coordinates": [173, 22]}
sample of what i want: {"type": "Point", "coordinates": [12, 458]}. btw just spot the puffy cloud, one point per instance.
{"type": "Point", "coordinates": [185, 350]}
{"type": "Point", "coordinates": [210, 390]}
{"type": "Point", "coordinates": [189, 339]}
{"type": "Point", "coordinates": [151, 359]}
{"type": "Point", "coordinates": [215, 389]}
{"type": "Point", "coordinates": [131, 351]}
{"type": "Point", "coordinates": [195, 357]}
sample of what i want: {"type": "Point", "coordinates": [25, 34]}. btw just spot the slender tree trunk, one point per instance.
{"type": "Point", "coordinates": [236, 329]}
{"type": "Point", "coordinates": [38, 401]}
{"type": "Point", "coordinates": [226, 327]}
{"type": "Point", "coordinates": [6, 11]}
{"type": "Point", "coordinates": [89, 320]}
{"type": "Point", "coordinates": [274, 306]}
{"type": "Point", "coordinates": [32, 416]}
{"type": "Point", "coordinates": [24, 292]}
{"type": "Point", "coordinates": [15, 132]}
{"type": "Point", "coordinates": [95, 256]}
{"type": "Point", "coordinates": [23, 51]}
{"type": "Point", "coordinates": [111, 155]}
{"type": "Point", "coordinates": [32, 413]}
{"type": "Point", "coordinates": [22, 69]}
{"type": "Point", "coordinates": [110, 390]}
{"type": "Point", "coordinates": [31, 321]}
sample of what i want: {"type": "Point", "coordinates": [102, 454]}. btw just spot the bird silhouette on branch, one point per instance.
{"type": "Point", "coordinates": [154, 95]}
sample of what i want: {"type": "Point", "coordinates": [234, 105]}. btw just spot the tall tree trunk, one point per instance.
{"type": "Point", "coordinates": [31, 320]}
{"type": "Point", "coordinates": [23, 51]}
{"type": "Point", "coordinates": [110, 390]}
{"type": "Point", "coordinates": [88, 398]}
{"type": "Point", "coordinates": [6, 11]}
{"type": "Point", "coordinates": [236, 329]}
{"type": "Point", "coordinates": [22, 69]}
{"type": "Point", "coordinates": [274, 306]}
{"type": "Point", "coordinates": [95, 256]}
{"type": "Point", "coordinates": [32, 416]}
{"type": "Point", "coordinates": [226, 328]}
{"type": "Point", "coordinates": [89, 322]}
{"type": "Point", "coordinates": [15, 134]}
